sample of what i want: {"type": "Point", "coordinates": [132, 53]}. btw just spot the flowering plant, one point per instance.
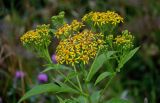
{"type": "Point", "coordinates": [84, 48]}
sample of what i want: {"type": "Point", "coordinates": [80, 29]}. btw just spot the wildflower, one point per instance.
{"type": "Point", "coordinates": [42, 78]}
{"type": "Point", "coordinates": [37, 38]}
{"type": "Point", "coordinates": [19, 74]}
{"type": "Point", "coordinates": [75, 25]}
{"type": "Point", "coordinates": [54, 58]}
{"type": "Point", "coordinates": [101, 18]}
{"type": "Point", "coordinates": [79, 48]}
{"type": "Point", "coordinates": [124, 41]}
{"type": "Point", "coordinates": [67, 30]}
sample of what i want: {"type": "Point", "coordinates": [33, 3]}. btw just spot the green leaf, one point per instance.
{"type": "Point", "coordinates": [117, 100]}
{"type": "Point", "coordinates": [56, 67]}
{"type": "Point", "coordinates": [102, 76]}
{"type": "Point", "coordinates": [126, 58]}
{"type": "Point", "coordinates": [66, 88]}
{"type": "Point", "coordinates": [97, 64]}
{"type": "Point", "coordinates": [51, 87]}
{"type": "Point", "coordinates": [95, 97]}
{"type": "Point", "coordinates": [110, 53]}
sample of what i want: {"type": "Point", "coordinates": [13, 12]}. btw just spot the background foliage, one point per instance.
{"type": "Point", "coordinates": [139, 80]}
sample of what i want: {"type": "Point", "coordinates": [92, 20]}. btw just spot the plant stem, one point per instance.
{"type": "Point", "coordinates": [85, 83]}
{"type": "Point", "coordinates": [89, 99]}
{"type": "Point", "coordinates": [47, 56]}
{"type": "Point", "coordinates": [22, 79]}
{"type": "Point", "coordinates": [77, 77]}
{"type": "Point", "coordinates": [71, 83]}
{"type": "Point", "coordinates": [106, 86]}
{"type": "Point", "coordinates": [68, 80]}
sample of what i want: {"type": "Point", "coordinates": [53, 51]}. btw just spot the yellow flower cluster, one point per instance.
{"type": "Point", "coordinates": [66, 30]}
{"type": "Point", "coordinates": [120, 42]}
{"type": "Point", "coordinates": [79, 48]}
{"type": "Point", "coordinates": [124, 41]}
{"type": "Point", "coordinates": [38, 37]}
{"type": "Point", "coordinates": [100, 18]}
{"type": "Point", "coordinates": [30, 36]}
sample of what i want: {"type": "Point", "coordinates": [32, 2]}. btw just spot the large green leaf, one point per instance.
{"type": "Point", "coordinates": [97, 64]}
{"type": "Point", "coordinates": [117, 100]}
{"type": "Point", "coordinates": [126, 58]}
{"type": "Point", "coordinates": [102, 76]}
{"type": "Point", "coordinates": [51, 87]}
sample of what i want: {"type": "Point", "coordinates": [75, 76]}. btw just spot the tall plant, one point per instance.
{"type": "Point", "coordinates": [84, 47]}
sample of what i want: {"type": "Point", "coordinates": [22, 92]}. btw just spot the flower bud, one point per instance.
{"type": "Point", "coordinates": [54, 59]}
{"type": "Point", "coordinates": [42, 78]}
{"type": "Point", "coordinates": [19, 74]}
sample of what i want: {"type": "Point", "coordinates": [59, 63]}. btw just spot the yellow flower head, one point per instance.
{"type": "Point", "coordinates": [37, 38]}
{"type": "Point", "coordinates": [79, 48]}
{"type": "Point", "coordinates": [67, 30]}
{"type": "Point", "coordinates": [100, 18]}
{"type": "Point", "coordinates": [124, 41]}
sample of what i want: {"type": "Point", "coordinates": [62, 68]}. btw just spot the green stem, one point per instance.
{"type": "Point", "coordinates": [89, 98]}
{"type": "Point", "coordinates": [77, 77]}
{"type": "Point", "coordinates": [68, 80]}
{"type": "Point", "coordinates": [72, 83]}
{"type": "Point", "coordinates": [107, 85]}
{"type": "Point", "coordinates": [111, 30]}
{"type": "Point", "coordinates": [85, 83]}
{"type": "Point", "coordinates": [47, 56]}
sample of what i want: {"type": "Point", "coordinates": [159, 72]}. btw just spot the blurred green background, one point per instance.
{"type": "Point", "coordinates": [139, 80]}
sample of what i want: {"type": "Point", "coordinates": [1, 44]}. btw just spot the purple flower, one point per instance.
{"type": "Point", "coordinates": [42, 78]}
{"type": "Point", "coordinates": [19, 74]}
{"type": "Point", "coordinates": [54, 59]}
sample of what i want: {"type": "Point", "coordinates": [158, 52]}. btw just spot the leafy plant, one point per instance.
{"type": "Point", "coordinates": [83, 49]}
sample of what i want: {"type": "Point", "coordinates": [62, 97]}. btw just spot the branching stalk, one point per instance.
{"type": "Point", "coordinates": [77, 77]}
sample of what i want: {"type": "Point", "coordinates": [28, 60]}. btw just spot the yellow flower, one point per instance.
{"type": "Point", "coordinates": [120, 40]}
{"type": "Point", "coordinates": [75, 25]}
{"type": "Point", "coordinates": [37, 38]}
{"type": "Point", "coordinates": [67, 30]}
{"type": "Point", "coordinates": [80, 48]}
{"type": "Point", "coordinates": [100, 18]}
{"type": "Point", "coordinates": [29, 37]}
{"type": "Point", "coordinates": [124, 41]}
